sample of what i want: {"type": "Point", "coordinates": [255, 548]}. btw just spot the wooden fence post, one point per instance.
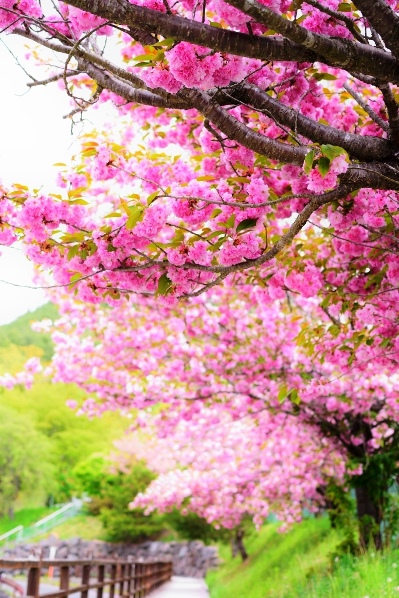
{"type": "Point", "coordinates": [33, 582]}
{"type": "Point", "coordinates": [100, 578]}
{"type": "Point", "coordinates": [64, 579]}
{"type": "Point", "coordinates": [112, 585]}
{"type": "Point", "coordinates": [86, 569]}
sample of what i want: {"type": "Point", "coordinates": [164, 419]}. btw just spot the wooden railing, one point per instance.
{"type": "Point", "coordinates": [126, 579]}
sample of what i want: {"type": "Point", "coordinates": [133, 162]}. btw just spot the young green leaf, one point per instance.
{"type": "Point", "coordinates": [247, 223]}
{"type": "Point", "coordinates": [309, 159]}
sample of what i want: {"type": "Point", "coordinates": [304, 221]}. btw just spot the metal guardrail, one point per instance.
{"type": "Point", "coordinates": [21, 533]}
{"type": "Point", "coordinates": [16, 530]}
{"type": "Point", "coordinates": [18, 589]}
{"type": "Point", "coordinates": [126, 579]}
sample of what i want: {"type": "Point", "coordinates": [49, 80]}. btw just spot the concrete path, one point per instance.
{"type": "Point", "coordinates": [182, 587]}
{"type": "Point", "coordinates": [178, 587]}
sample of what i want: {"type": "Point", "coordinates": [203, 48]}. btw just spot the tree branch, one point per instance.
{"type": "Point", "coordinates": [236, 130]}
{"type": "Point", "coordinates": [377, 119]}
{"type": "Point", "coordinates": [339, 16]}
{"type": "Point", "coordinates": [126, 91]}
{"type": "Point", "coordinates": [392, 110]}
{"type": "Point", "coordinates": [182, 29]}
{"type": "Point", "coordinates": [339, 52]}
{"type": "Point", "coordinates": [384, 20]}
{"type": "Point", "coordinates": [361, 147]}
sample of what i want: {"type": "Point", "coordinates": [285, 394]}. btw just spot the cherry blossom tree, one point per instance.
{"type": "Point", "coordinates": [253, 157]}
{"type": "Point", "coordinates": [276, 114]}
{"type": "Point", "coordinates": [228, 365]}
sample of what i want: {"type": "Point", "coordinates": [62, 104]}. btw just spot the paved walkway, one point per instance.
{"type": "Point", "coordinates": [178, 587]}
{"type": "Point", "coordinates": [182, 587]}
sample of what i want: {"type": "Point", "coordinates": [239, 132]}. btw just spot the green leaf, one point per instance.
{"type": "Point", "coordinates": [215, 233]}
{"type": "Point", "coordinates": [283, 393]}
{"type": "Point", "coordinates": [332, 151]}
{"type": "Point", "coordinates": [230, 222]}
{"type": "Point", "coordinates": [294, 397]}
{"type": "Point", "coordinates": [135, 213]}
{"type": "Point", "coordinates": [74, 279]}
{"type": "Point", "coordinates": [74, 250]}
{"type": "Point", "coordinates": [113, 215]}
{"type": "Point", "coordinates": [308, 162]}
{"type": "Point", "coordinates": [79, 202]}
{"type": "Point", "coordinates": [325, 76]}
{"type": "Point", "coordinates": [239, 179]}
{"type": "Point", "coordinates": [152, 197]}
{"type": "Point", "coordinates": [344, 7]}
{"type": "Point", "coordinates": [164, 285]}
{"type": "Point", "coordinates": [144, 57]}
{"type": "Point", "coordinates": [247, 223]}
{"type": "Point", "coordinates": [324, 165]}
{"type": "Point", "coordinates": [334, 330]}
{"type": "Point", "coordinates": [206, 177]}
{"type": "Point", "coordinates": [164, 43]}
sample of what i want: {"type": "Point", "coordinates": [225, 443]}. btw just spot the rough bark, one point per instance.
{"type": "Point", "coordinates": [300, 44]}
{"type": "Point", "coordinates": [384, 20]}
{"type": "Point", "coordinates": [238, 545]}
{"type": "Point", "coordinates": [369, 514]}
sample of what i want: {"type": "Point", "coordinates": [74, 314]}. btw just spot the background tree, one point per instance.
{"type": "Point", "coordinates": [24, 462]}
{"type": "Point", "coordinates": [204, 362]}
{"type": "Point", "coordinates": [110, 489]}
{"type": "Point", "coordinates": [280, 123]}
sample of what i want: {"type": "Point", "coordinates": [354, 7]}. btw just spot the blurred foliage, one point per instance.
{"type": "Point", "coordinates": [70, 439]}
{"type": "Point", "coordinates": [24, 462]}
{"type": "Point", "coordinates": [20, 333]}
{"type": "Point", "coordinates": [111, 491]}
{"type": "Point", "coordinates": [194, 527]}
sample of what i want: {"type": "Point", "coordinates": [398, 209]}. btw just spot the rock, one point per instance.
{"type": "Point", "coordinates": [190, 559]}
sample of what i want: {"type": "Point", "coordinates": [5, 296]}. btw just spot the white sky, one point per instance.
{"type": "Point", "coordinates": [33, 136]}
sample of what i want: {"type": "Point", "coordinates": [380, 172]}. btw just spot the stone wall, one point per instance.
{"type": "Point", "coordinates": [190, 559]}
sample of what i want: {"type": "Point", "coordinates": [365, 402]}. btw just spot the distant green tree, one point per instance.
{"type": "Point", "coordinates": [20, 333]}
{"type": "Point", "coordinates": [194, 527]}
{"type": "Point", "coordinates": [25, 460]}
{"type": "Point", "coordinates": [89, 475]}
{"type": "Point", "coordinates": [111, 490]}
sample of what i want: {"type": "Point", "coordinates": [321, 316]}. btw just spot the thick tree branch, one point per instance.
{"type": "Point", "coordinates": [337, 51]}
{"type": "Point", "coordinates": [339, 16]}
{"type": "Point", "coordinates": [392, 110]}
{"type": "Point", "coordinates": [384, 20]}
{"type": "Point", "coordinates": [181, 29]}
{"type": "Point", "coordinates": [87, 57]}
{"type": "Point", "coordinates": [373, 175]}
{"type": "Point", "coordinates": [127, 92]}
{"type": "Point", "coordinates": [361, 147]}
{"type": "Point", "coordinates": [236, 130]}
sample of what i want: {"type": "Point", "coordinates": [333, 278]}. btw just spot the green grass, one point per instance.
{"type": "Point", "coordinates": [298, 564]}
{"type": "Point", "coordinates": [82, 526]}
{"type": "Point", "coordinates": [24, 517]}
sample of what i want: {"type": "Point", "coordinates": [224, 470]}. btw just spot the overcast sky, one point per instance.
{"type": "Point", "coordinates": [33, 136]}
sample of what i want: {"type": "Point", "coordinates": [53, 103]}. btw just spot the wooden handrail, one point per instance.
{"type": "Point", "coordinates": [126, 579]}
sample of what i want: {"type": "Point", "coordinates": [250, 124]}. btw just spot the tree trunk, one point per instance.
{"type": "Point", "coordinates": [369, 514]}
{"type": "Point", "coordinates": [238, 545]}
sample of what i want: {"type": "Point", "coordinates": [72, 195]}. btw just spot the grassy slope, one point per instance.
{"type": "Point", "coordinates": [277, 561]}
{"type": "Point", "coordinates": [24, 517]}
{"type": "Point", "coordinates": [298, 565]}
{"type": "Point", "coordinates": [82, 526]}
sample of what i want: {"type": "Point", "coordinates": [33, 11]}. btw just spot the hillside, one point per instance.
{"type": "Point", "coordinates": [42, 409]}
{"type": "Point", "coordinates": [301, 564]}
{"type": "Point", "coordinates": [20, 333]}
